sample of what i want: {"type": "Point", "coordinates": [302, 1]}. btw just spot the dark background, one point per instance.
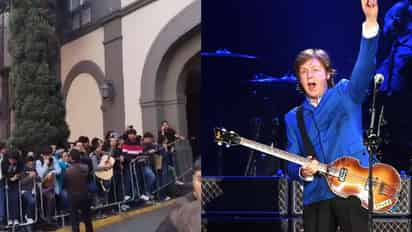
{"type": "Point", "coordinates": [274, 32]}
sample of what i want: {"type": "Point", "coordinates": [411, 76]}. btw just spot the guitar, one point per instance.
{"type": "Point", "coordinates": [167, 145]}
{"type": "Point", "coordinates": [105, 161]}
{"type": "Point", "coordinates": [345, 176]}
{"type": "Point", "coordinates": [48, 180]}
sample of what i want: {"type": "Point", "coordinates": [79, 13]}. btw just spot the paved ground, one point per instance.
{"type": "Point", "coordinates": [146, 222]}
{"type": "Point", "coordinates": [144, 219]}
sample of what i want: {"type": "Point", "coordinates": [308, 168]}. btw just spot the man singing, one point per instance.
{"type": "Point", "coordinates": [332, 118]}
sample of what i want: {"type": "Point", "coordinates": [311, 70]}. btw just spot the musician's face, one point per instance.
{"type": "Point", "coordinates": [313, 78]}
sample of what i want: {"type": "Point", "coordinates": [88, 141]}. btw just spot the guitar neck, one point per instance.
{"type": "Point", "coordinates": [279, 153]}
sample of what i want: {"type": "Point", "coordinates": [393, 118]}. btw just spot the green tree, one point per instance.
{"type": "Point", "coordinates": [36, 97]}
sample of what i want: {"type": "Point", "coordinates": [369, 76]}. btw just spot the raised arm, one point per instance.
{"type": "Point", "coordinates": [365, 64]}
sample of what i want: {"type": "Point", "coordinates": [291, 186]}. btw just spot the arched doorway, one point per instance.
{"type": "Point", "coordinates": [83, 108]}
{"type": "Point", "coordinates": [192, 91]}
{"type": "Point", "coordinates": [163, 88]}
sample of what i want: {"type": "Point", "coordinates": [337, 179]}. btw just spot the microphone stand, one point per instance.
{"type": "Point", "coordinates": [372, 144]}
{"type": "Point", "coordinates": [251, 163]}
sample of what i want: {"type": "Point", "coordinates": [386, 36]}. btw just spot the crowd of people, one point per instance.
{"type": "Point", "coordinates": [122, 167]}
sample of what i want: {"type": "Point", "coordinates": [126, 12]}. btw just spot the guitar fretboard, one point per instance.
{"type": "Point", "coordinates": [278, 153]}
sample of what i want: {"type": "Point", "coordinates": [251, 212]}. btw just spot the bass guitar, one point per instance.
{"type": "Point", "coordinates": [345, 176]}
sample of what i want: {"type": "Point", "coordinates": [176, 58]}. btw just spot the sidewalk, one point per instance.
{"type": "Point", "coordinates": [125, 216]}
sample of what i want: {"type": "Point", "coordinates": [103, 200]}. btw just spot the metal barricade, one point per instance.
{"type": "Point", "coordinates": [116, 184]}
{"type": "Point", "coordinates": [21, 220]}
{"type": "Point", "coordinates": [118, 189]}
{"type": "Point", "coordinates": [137, 165]}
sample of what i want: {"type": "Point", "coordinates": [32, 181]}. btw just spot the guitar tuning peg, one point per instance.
{"type": "Point", "coordinates": [219, 143]}
{"type": "Point", "coordinates": [232, 132]}
{"type": "Point", "coordinates": [227, 145]}
{"type": "Point", "coordinates": [223, 129]}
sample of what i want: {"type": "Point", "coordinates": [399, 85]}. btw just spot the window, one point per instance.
{"type": "Point", "coordinates": [86, 15]}
{"type": "Point", "coordinates": [76, 21]}
{"type": "Point", "coordinates": [74, 4]}
{"type": "Point", "coordinates": [81, 13]}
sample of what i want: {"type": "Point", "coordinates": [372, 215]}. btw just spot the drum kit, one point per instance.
{"type": "Point", "coordinates": [257, 78]}
{"type": "Point", "coordinates": [235, 74]}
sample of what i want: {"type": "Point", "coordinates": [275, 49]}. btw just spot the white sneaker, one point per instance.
{"type": "Point", "coordinates": [178, 182]}
{"type": "Point", "coordinates": [16, 222]}
{"type": "Point", "coordinates": [126, 198]}
{"type": "Point", "coordinates": [167, 198]}
{"type": "Point", "coordinates": [9, 222]}
{"type": "Point", "coordinates": [29, 220]}
{"type": "Point", "coordinates": [144, 197]}
{"type": "Point", "coordinates": [124, 207]}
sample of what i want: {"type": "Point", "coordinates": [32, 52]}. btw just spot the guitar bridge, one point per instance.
{"type": "Point", "coordinates": [343, 172]}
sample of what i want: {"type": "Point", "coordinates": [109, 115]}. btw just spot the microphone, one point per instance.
{"type": "Point", "coordinates": [378, 79]}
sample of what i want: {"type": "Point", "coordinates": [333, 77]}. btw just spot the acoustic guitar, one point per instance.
{"type": "Point", "coordinates": [105, 161]}
{"type": "Point", "coordinates": [48, 180]}
{"type": "Point", "coordinates": [345, 176]}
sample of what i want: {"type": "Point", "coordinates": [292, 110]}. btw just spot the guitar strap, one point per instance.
{"type": "Point", "coordinates": [103, 186]}
{"type": "Point", "coordinates": [307, 144]}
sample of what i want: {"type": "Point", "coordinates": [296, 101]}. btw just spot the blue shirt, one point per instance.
{"type": "Point", "coordinates": [334, 126]}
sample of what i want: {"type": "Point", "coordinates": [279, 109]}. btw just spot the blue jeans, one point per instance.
{"type": "Point", "coordinates": [122, 183]}
{"type": "Point", "coordinates": [2, 202]}
{"type": "Point", "coordinates": [13, 197]}
{"type": "Point", "coordinates": [127, 181]}
{"type": "Point", "coordinates": [149, 179]}
{"type": "Point", "coordinates": [63, 199]}
{"type": "Point", "coordinates": [28, 204]}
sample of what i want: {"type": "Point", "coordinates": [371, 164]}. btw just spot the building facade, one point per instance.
{"type": "Point", "coordinates": [128, 62]}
